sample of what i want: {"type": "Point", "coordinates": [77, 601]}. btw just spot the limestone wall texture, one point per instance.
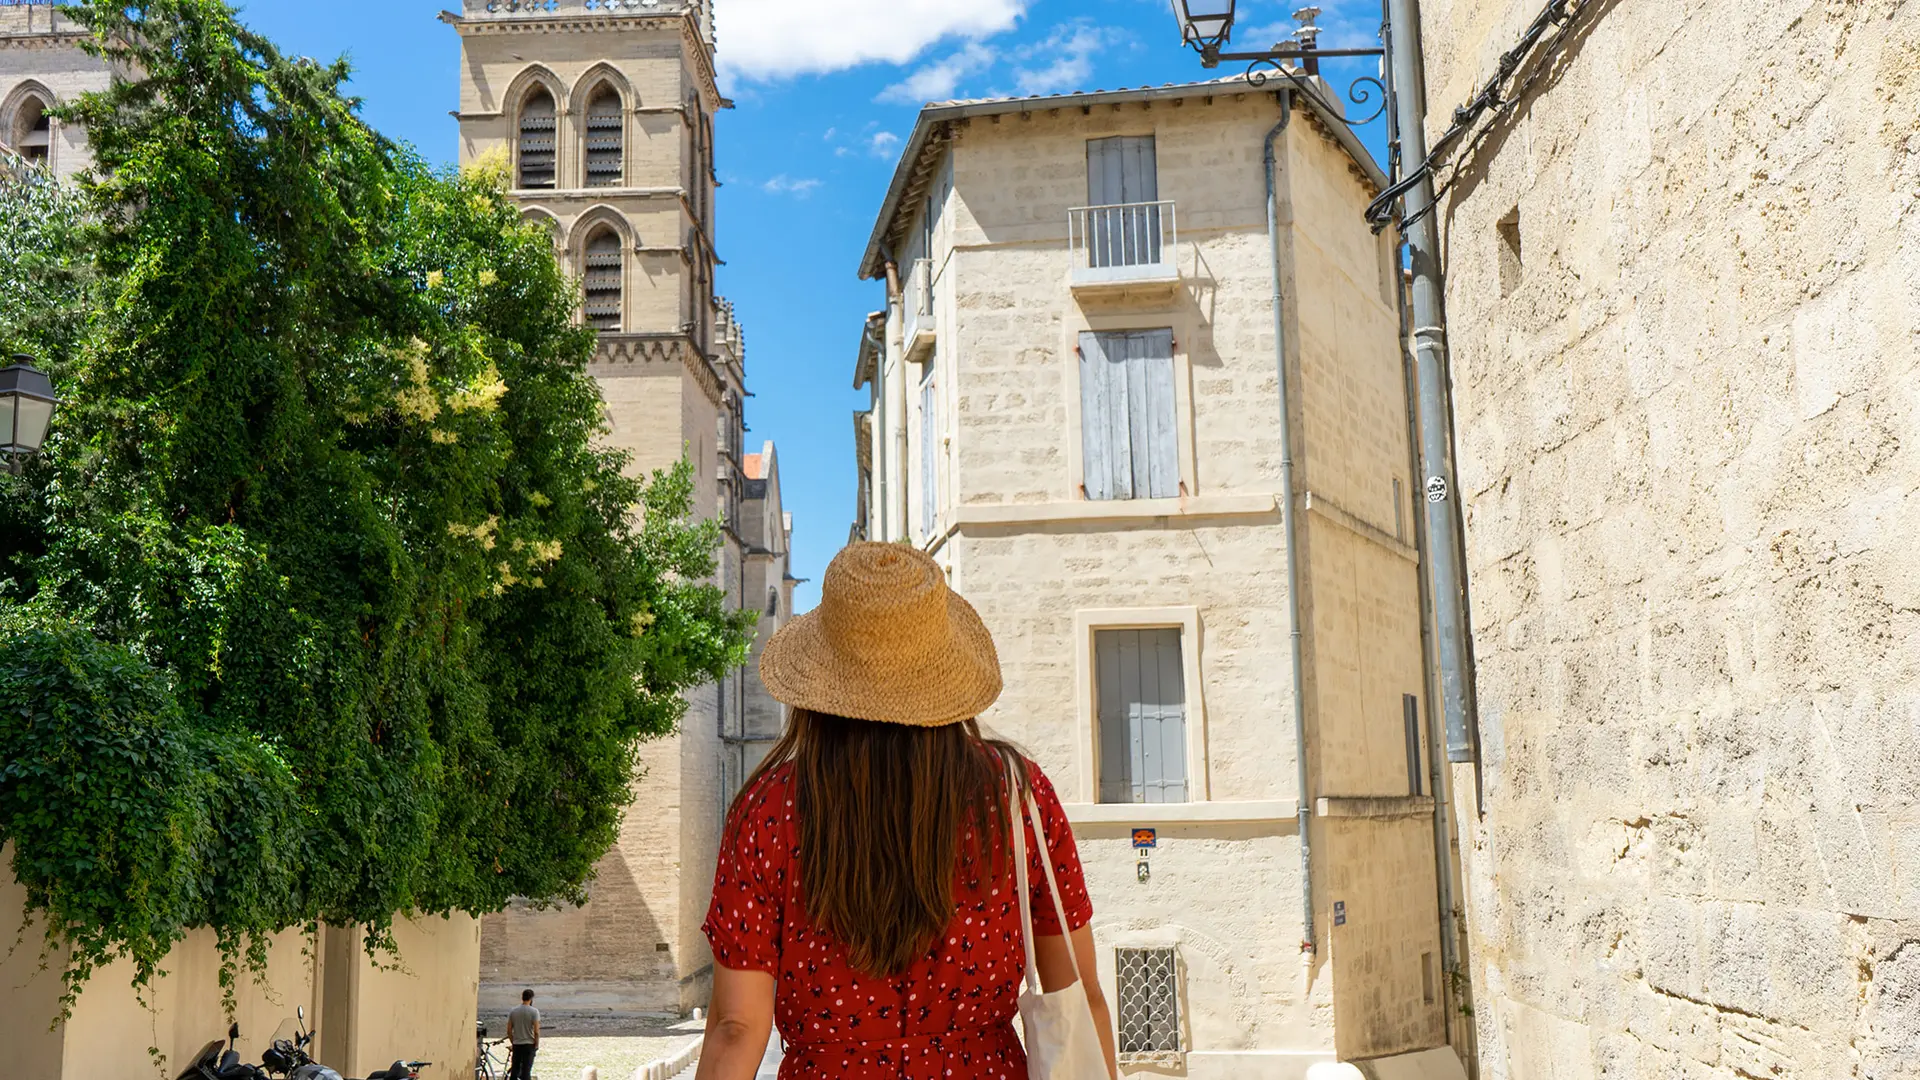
{"type": "Point", "coordinates": [1684, 305]}
{"type": "Point", "coordinates": [1047, 568]}
{"type": "Point", "coordinates": [40, 58]}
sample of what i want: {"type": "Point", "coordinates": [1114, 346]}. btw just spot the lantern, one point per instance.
{"type": "Point", "coordinates": [1205, 24]}
{"type": "Point", "coordinates": [26, 407]}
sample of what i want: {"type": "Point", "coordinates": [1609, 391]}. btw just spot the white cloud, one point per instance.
{"type": "Point", "coordinates": [938, 81]}
{"type": "Point", "coordinates": [883, 144]}
{"type": "Point", "coordinates": [786, 185]}
{"type": "Point", "coordinates": [1344, 24]}
{"type": "Point", "coordinates": [764, 39]}
{"type": "Point", "coordinates": [1072, 49]}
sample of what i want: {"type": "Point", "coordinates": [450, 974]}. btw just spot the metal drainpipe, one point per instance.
{"type": "Point", "coordinates": [879, 521]}
{"type": "Point", "coordinates": [1440, 779]}
{"type": "Point", "coordinates": [1308, 939]}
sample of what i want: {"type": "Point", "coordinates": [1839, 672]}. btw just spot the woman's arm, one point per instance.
{"type": "Point", "coordinates": [738, 1023]}
{"type": "Point", "coordinates": [1056, 973]}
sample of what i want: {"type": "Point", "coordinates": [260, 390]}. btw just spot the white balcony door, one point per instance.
{"type": "Point", "coordinates": [1121, 176]}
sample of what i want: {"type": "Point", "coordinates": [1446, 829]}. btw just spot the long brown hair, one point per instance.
{"type": "Point", "coordinates": [889, 816]}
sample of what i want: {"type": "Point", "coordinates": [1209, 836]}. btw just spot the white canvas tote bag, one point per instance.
{"type": "Point", "coordinates": [1060, 1038]}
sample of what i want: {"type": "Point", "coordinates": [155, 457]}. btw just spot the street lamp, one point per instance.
{"type": "Point", "coordinates": [1205, 24]}
{"type": "Point", "coordinates": [26, 408]}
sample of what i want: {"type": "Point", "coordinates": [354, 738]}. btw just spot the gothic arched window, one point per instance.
{"type": "Point", "coordinates": [537, 122]}
{"type": "Point", "coordinates": [606, 148]}
{"type": "Point", "coordinates": [606, 273]}
{"type": "Point", "coordinates": [32, 134]}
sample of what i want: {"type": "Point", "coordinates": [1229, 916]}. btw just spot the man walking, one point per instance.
{"type": "Point", "coordinates": [523, 1032]}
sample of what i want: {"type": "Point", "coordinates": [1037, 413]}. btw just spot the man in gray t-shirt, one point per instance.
{"type": "Point", "coordinates": [523, 1032]}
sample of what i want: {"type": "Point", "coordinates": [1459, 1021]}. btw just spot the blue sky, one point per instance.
{"type": "Point", "coordinates": [826, 91]}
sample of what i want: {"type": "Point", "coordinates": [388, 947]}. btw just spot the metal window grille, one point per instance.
{"type": "Point", "coordinates": [1149, 1001]}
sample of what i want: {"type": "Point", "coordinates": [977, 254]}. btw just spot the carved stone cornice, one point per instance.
{"type": "Point", "coordinates": [686, 20]}
{"type": "Point", "coordinates": [42, 39]}
{"type": "Point", "coordinates": [616, 350]}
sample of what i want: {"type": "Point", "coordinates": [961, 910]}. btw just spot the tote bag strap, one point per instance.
{"type": "Point", "coordinates": [1017, 823]}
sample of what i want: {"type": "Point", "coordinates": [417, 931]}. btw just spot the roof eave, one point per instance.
{"type": "Point", "coordinates": [934, 117]}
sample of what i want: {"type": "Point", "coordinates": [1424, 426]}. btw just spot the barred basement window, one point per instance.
{"type": "Point", "coordinates": [537, 123]}
{"type": "Point", "coordinates": [1149, 1001]}
{"type": "Point", "coordinates": [605, 149]}
{"type": "Point", "coordinates": [605, 271]}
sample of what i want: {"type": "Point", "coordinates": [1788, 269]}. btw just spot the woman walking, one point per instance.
{"type": "Point", "coordinates": [868, 896]}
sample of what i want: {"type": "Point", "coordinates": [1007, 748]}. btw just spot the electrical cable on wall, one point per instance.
{"type": "Point", "coordinates": [1492, 99]}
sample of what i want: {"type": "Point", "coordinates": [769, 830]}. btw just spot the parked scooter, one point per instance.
{"type": "Point", "coordinates": [289, 1057]}
{"type": "Point", "coordinates": [214, 1064]}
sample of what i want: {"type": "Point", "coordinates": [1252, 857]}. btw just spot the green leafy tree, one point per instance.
{"type": "Point", "coordinates": [322, 604]}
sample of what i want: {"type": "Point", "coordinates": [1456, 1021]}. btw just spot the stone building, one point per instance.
{"type": "Point", "coordinates": [1684, 305]}
{"type": "Point", "coordinates": [41, 69]}
{"type": "Point", "coordinates": [1075, 409]}
{"type": "Point", "coordinates": [604, 113]}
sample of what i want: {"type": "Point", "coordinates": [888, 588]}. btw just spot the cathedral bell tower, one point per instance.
{"type": "Point", "coordinates": [602, 113]}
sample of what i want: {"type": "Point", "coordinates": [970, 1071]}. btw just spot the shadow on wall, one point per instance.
{"type": "Point", "coordinates": [606, 956]}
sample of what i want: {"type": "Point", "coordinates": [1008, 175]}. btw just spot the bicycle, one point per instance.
{"type": "Point", "coordinates": [487, 1063]}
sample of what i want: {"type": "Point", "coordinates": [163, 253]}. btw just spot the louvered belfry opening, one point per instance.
{"type": "Point", "coordinates": [34, 131]}
{"type": "Point", "coordinates": [606, 149]}
{"type": "Point", "coordinates": [604, 278]}
{"type": "Point", "coordinates": [537, 123]}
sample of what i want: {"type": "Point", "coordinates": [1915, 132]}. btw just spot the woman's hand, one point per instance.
{"type": "Point", "coordinates": [738, 1023]}
{"type": "Point", "coordinates": [1056, 973]}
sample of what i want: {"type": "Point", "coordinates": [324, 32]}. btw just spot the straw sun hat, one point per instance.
{"type": "Point", "coordinates": [889, 642]}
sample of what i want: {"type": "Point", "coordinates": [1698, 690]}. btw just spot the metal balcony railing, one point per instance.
{"type": "Point", "coordinates": [1125, 242]}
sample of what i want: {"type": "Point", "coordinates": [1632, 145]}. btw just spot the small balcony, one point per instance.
{"type": "Point", "coordinates": [921, 326]}
{"type": "Point", "coordinates": [1123, 248]}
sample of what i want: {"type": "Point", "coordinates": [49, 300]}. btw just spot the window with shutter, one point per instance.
{"type": "Point", "coordinates": [537, 125]}
{"type": "Point", "coordinates": [1141, 708]}
{"type": "Point", "coordinates": [929, 455]}
{"type": "Point", "coordinates": [1123, 192]}
{"type": "Point", "coordinates": [32, 134]}
{"type": "Point", "coordinates": [605, 139]}
{"type": "Point", "coordinates": [1129, 430]}
{"type": "Point", "coordinates": [606, 273]}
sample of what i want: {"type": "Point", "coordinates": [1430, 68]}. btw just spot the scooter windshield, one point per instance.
{"type": "Point", "coordinates": [204, 1062]}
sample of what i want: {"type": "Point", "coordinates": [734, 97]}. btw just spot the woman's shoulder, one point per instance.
{"type": "Point", "coordinates": [767, 798]}
{"type": "Point", "coordinates": [1036, 776]}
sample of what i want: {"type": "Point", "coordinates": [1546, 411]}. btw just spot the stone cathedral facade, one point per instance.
{"type": "Point", "coordinates": [603, 111]}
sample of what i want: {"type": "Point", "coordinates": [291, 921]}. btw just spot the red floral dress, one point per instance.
{"type": "Point", "coordinates": [949, 1016]}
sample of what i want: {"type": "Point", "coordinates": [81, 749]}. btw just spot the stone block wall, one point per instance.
{"type": "Point", "coordinates": [40, 56]}
{"type": "Point", "coordinates": [1684, 304]}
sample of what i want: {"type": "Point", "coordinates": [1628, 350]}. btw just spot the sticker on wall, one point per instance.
{"type": "Point", "coordinates": [1143, 871]}
{"type": "Point", "coordinates": [1339, 913]}
{"type": "Point", "coordinates": [1145, 838]}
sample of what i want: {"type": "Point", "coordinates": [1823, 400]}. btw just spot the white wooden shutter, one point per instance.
{"type": "Point", "coordinates": [1142, 714]}
{"type": "Point", "coordinates": [1129, 430]}
{"type": "Point", "coordinates": [929, 457]}
{"type": "Point", "coordinates": [1106, 464]}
